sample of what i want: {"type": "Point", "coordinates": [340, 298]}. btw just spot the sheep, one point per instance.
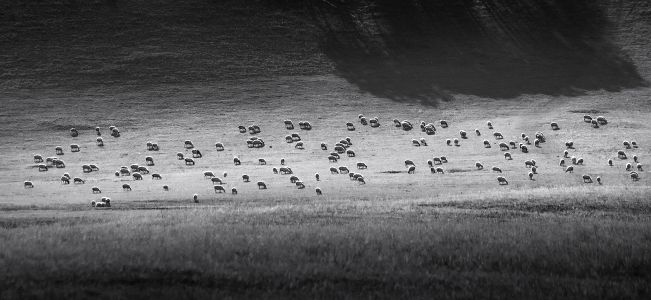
{"type": "Point", "coordinates": [587, 179]}
{"type": "Point", "coordinates": [195, 198]}
{"type": "Point", "coordinates": [411, 170]}
{"type": "Point", "coordinates": [489, 124]}
{"type": "Point", "coordinates": [219, 189]}
{"type": "Point", "coordinates": [196, 153]}
{"type": "Point", "coordinates": [236, 161]}
{"type": "Point", "coordinates": [569, 169]}
{"type": "Point", "coordinates": [300, 185]}
{"type": "Point", "coordinates": [216, 180]}
{"type": "Point", "coordinates": [448, 142]}
{"type": "Point", "coordinates": [343, 170]}
{"type": "Point", "coordinates": [334, 170]}
{"type": "Point", "coordinates": [324, 146]}
{"type": "Point", "coordinates": [579, 161]}
{"type": "Point", "coordinates": [241, 129]}
{"type": "Point", "coordinates": [536, 143]}
{"type": "Point", "coordinates": [299, 145]}
{"type": "Point", "coordinates": [502, 181]}
{"type": "Point", "coordinates": [96, 190]}
{"type": "Point", "coordinates": [437, 160]}
{"type": "Point", "coordinates": [208, 174]}
{"type": "Point", "coordinates": [526, 139]}
{"type": "Point", "coordinates": [99, 142]}
{"type": "Point", "coordinates": [621, 154]}
{"type": "Point", "coordinates": [430, 163]}
{"type": "Point", "coordinates": [86, 169]}
{"type": "Point", "coordinates": [479, 165]}
{"type": "Point", "coordinates": [350, 126]}
{"type": "Point", "coordinates": [97, 130]}
{"type": "Point", "coordinates": [332, 158]}
{"type": "Point", "coordinates": [219, 146]}
{"type": "Point", "coordinates": [634, 158]}
{"type": "Point", "coordinates": [569, 145]}
{"type": "Point", "coordinates": [396, 123]}
{"type": "Point", "coordinates": [566, 154]}
{"type": "Point", "coordinates": [136, 176]}
{"type": "Point", "coordinates": [293, 179]}
{"type": "Point", "coordinates": [513, 145]}
{"type": "Point", "coordinates": [415, 142]}
{"type": "Point", "coordinates": [288, 139]}
{"type": "Point", "coordinates": [351, 175]}
{"type": "Point", "coordinates": [463, 134]}
{"type": "Point", "coordinates": [234, 191]}
{"type": "Point", "coordinates": [74, 132]}
{"type": "Point", "coordinates": [143, 170]}
{"type": "Point", "coordinates": [587, 118]}
{"type": "Point", "coordinates": [340, 149]}
{"type": "Point", "coordinates": [530, 175]}
{"type": "Point", "coordinates": [498, 135]}
{"type": "Point", "coordinates": [602, 120]}
{"type": "Point", "coordinates": [318, 191]}
{"type": "Point", "coordinates": [65, 180]}
{"type": "Point", "coordinates": [374, 122]}
{"type": "Point", "coordinates": [149, 161]}
{"type": "Point", "coordinates": [444, 159]}
{"type": "Point", "coordinates": [111, 128]}
{"type": "Point", "coordinates": [573, 159]}
{"type": "Point", "coordinates": [363, 121]}
{"type": "Point", "coordinates": [189, 161]}
{"type": "Point", "coordinates": [286, 170]}
{"type": "Point", "coordinates": [59, 163]}
{"type": "Point", "coordinates": [350, 153]}
{"type": "Point", "coordinates": [126, 187]}
{"type": "Point", "coordinates": [504, 146]}
{"type": "Point", "coordinates": [635, 176]}
{"type": "Point", "coordinates": [28, 184]}
{"type": "Point", "coordinates": [58, 150]}
{"type": "Point", "coordinates": [154, 147]}
{"type": "Point", "coordinates": [409, 163]}
{"type": "Point", "coordinates": [456, 142]}
{"type": "Point", "coordinates": [156, 176]}
{"type": "Point", "coordinates": [610, 162]}
{"type": "Point", "coordinates": [117, 173]}
{"type": "Point", "coordinates": [275, 170]}
{"type": "Point", "coordinates": [115, 132]}
{"type": "Point", "coordinates": [361, 180]}
{"type": "Point", "coordinates": [599, 180]}
{"type": "Point", "coordinates": [627, 145]}
{"type": "Point", "coordinates": [534, 170]}
{"type": "Point", "coordinates": [125, 172]}
{"type": "Point", "coordinates": [38, 158]}
{"type": "Point", "coordinates": [595, 124]}
{"type": "Point", "coordinates": [257, 144]}
{"type": "Point", "coordinates": [42, 168]}
{"type": "Point", "coordinates": [423, 142]}
{"type": "Point", "coordinates": [166, 188]}
{"type": "Point", "coordinates": [497, 169]}
{"type": "Point", "coordinates": [639, 167]}
{"type": "Point", "coordinates": [634, 144]}
{"type": "Point", "coordinates": [100, 204]}
{"type": "Point", "coordinates": [262, 161]}
{"type": "Point", "coordinates": [444, 123]}
{"type": "Point", "coordinates": [562, 163]}
{"type": "Point", "coordinates": [262, 185]}
{"type": "Point", "coordinates": [554, 126]}
{"type": "Point", "coordinates": [529, 163]}
{"type": "Point", "coordinates": [361, 165]}
{"type": "Point", "coordinates": [524, 149]}
{"type": "Point", "coordinates": [487, 144]}
{"type": "Point", "coordinates": [507, 156]}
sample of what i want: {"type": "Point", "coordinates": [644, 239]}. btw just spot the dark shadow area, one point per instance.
{"type": "Point", "coordinates": [429, 50]}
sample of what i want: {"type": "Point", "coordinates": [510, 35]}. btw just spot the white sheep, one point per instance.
{"type": "Point", "coordinates": [316, 176]}
{"type": "Point", "coordinates": [504, 146]}
{"type": "Point", "coordinates": [529, 163]}
{"type": "Point", "coordinates": [58, 150]}
{"type": "Point", "coordinates": [409, 163]}
{"type": "Point", "coordinates": [299, 145]}
{"type": "Point", "coordinates": [629, 167]}
{"type": "Point", "coordinates": [621, 154]}
{"type": "Point", "coordinates": [42, 168]}
{"type": "Point", "coordinates": [456, 142]}
{"type": "Point", "coordinates": [245, 178]}
{"type": "Point", "coordinates": [579, 161]}
{"type": "Point", "coordinates": [189, 161]}
{"type": "Point", "coordinates": [534, 170]}
{"type": "Point", "coordinates": [166, 188]}
{"type": "Point", "coordinates": [477, 132]}
{"type": "Point", "coordinates": [566, 154]}
{"type": "Point", "coordinates": [216, 180]}
{"type": "Point", "coordinates": [498, 135]}
{"type": "Point", "coordinates": [569, 144]}
{"type": "Point", "coordinates": [234, 191]}
{"type": "Point", "coordinates": [300, 185]}
{"type": "Point", "coordinates": [78, 180]}
{"type": "Point", "coordinates": [65, 180]}
{"type": "Point", "coordinates": [236, 161]}
{"type": "Point", "coordinates": [627, 145]}
{"type": "Point", "coordinates": [448, 142]}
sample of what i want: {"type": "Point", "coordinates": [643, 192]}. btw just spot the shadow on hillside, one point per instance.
{"type": "Point", "coordinates": [430, 50]}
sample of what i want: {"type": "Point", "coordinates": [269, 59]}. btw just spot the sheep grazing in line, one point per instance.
{"type": "Point", "coordinates": [126, 187]}
{"type": "Point", "coordinates": [498, 135]}
{"type": "Point", "coordinates": [569, 169]}
{"type": "Point", "coordinates": [529, 163]}
{"type": "Point", "coordinates": [456, 142]}
{"type": "Point", "coordinates": [361, 165]}
{"type": "Point", "coordinates": [411, 170]}
{"type": "Point", "coordinates": [504, 146]}
{"type": "Point", "coordinates": [78, 180]}
{"type": "Point", "coordinates": [74, 132]}
{"type": "Point", "coordinates": [579, 161]}
{"type": "Point", "coordinates": [299, 145]}
{"type": "Point", "coordinates": [361, 180]}
{"type": "Point", "coordinates": [375, 123]}
{"type": "Point", "coordinates": [562, 163]}
{"type": "Point", "coordinates": [479, 166]}
{"type": "Point", "coordinates": [195, 198]}
{"type": "Point", "coordinates": [136, 176]}
{"type": "Point", "coordinates": [334, 170]}
{"type": "Point", "coordinates": [28, 184]}
{"type": "Point", "coordinates": [262, 161]}
{"type": "Point", "coordinates": [156, 176]}
{"type": "Point", "coordinates": [409, 163]}
{"type": "Point", "coordinates": [58, 150]}
{"type": "Point", "coordinates": [295, 137]}
{"type": "Point", "coordinates": [621, 154]}
{"type": "Point", "coordinates": [293, 179]}
{"type": "Point", "coordinates": [289, 125]}
{"type": "Point", "coordinates": [634, 144]}
{"type": "Point", "coordinates": [343, 170]}
{"type": "Point", "coordinates": [318, 191]}
{"type": "Point", "coordinates": [463, 134]}
{"type": "Point", "coordinates": [166, 188]}
{"type": "Point", "coordinates": [350, 153]}
{"type": "Point", "coordinates": [524, 149]}
{"type": "Point", "coordinates": [487, 144]}
{"type": "Point", "coordinates": [219, 189]}
{"type": "Point", "coordinates": [497, 169]}
{"type": "Point", "coordinates": [595, 124]}
{"type": "Point", "coordinates": [627, 145]}
{"type": "Point", "coordinates": [489, 124]}
{"type": "Point", "coordinates": [340, 149]}
{"type": "Point", "coordinates": [507, 156]}
{"type": "Point", "coordinates": [639, 167]}
{"type": "Point", "coordinates": [196, 153]}
{"type": "Point", "coordinates": [236, 161]}
{"type": "Point", "coordinates": [42, 168]}
{"type": "Point", "coordinates": [350, 126]}
{"type": "Point", "coordinates": [569, 145]}
{"type": "Point", "coordinates": [286, 170]}
{"type": "Point", "coordinates": [587, 179]}
{"type": "Point", "coordinates": [602, 120]}
{"type": "Point", "coordinates": [38, 158]}
{"type": "Point", "coordinates": [332, 158]}
{"type": "Point", "coordinates": [143, 170]}
{"type": "Point", "coordinates": [415, 143]}
{"type": "Point", "coordinates": [423, 142]}
{"type": "Point", "coordinates": [219, 146]}
{"type": "Point", "coordinates": [86, 169]}
{"type": "Point", "coordinates": [262, 185]}
{"type": "Point", "coordinates": [65, 180]}
{"type": "Point", "coordinates": [610, 162]}
{"type": "Point", "coordinates": [534, 170]}
{"type": "Point", "coordinates": [208, 174]}
{"type": "Point", "coordinates": [513, 144]}
{"type": "Point", "coordinates": [96, 190]}
{"type": "Point", "coordinates": [554, 126]}
{"type": "Point", "coordinates": [530, 175]}
{"type": "Point", "coordinates": [502, 181]}
{"type": "Point", "coordinates": [300, 185]}
{"type": "Point", "coordinates": [444, 123]}
{"type": "Point", "coordinates": [397, 123]}
{"type": "Point", "coordinates": [406, 125]}
{"type": "Point", "coordinates": [216, 180]}
{"type": "Point", "coordinates": [635, 176]}
{"type": "Point", "coordinates": [587, 118]}
{"type": "Point", "coordinates": [363, 121]}
{"type": "Point", "coordinates": [448, 142]}
{"type": "Point", "coordinates": [149, 161]}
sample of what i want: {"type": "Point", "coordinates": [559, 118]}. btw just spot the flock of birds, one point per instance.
{"type": "Point", "coordinates": [342, 147]}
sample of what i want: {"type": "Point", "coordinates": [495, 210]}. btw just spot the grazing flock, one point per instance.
{"type": "Point", "coordinates": [340, 148]}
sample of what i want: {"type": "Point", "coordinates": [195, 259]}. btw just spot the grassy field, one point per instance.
{"type": "Point", "coordinates": [184, 71]}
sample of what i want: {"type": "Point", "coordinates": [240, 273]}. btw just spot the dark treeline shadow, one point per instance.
{"type": "Point", "coordinates": [429, 50]}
